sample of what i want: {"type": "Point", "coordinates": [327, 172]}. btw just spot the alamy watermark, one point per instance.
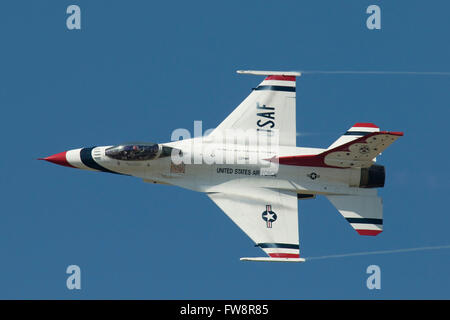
{"type": "Point", "coordinates": [374, 20]}
{"type": "Point", "coordinates": [73, 22]}
{"type": "Point", "coordinates": [374, 280]}
{"type": "Point", "coordinates": [74, 280]}
{"type": "Point", "coordinates": [227, 146]}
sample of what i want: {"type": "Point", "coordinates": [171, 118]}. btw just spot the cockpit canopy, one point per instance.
{"type": "Point", "coordinates": [138, 152]}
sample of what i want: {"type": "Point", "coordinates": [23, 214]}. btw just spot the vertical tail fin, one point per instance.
{"type": "Point", "coordinates": [357, 131]}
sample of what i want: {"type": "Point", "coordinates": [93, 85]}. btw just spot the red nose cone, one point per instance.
{"type": "Point", "coordinates": [59, 158]}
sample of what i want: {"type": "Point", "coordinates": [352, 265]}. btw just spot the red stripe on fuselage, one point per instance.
{"type": "Point", "coordinates": [304, 161]}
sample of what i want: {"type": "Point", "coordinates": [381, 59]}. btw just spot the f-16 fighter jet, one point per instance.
{"type": "Point", "coordinates": [252, 169]}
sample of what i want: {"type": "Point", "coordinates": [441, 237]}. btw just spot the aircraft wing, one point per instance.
{"type": "Point", "coordinates": [270, 107]}
{"type": "Point", "coordinates": [269, 217]}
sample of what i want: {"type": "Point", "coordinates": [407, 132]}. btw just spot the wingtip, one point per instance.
{"type": "Point", "coordinates": [269, 259]}
{"type": "Point", "coordinates": [270, 73]}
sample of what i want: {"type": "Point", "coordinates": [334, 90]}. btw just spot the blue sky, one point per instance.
{"type": "Point", "coordinates": [139, 69]}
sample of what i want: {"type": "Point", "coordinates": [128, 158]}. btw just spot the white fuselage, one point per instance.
{"type": "Point", "coordinates": [206, 174]}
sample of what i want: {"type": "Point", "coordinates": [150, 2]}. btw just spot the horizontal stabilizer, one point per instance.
{"type": "Point", "coordinates": [364, 213]}
{"type": "Point", "coordinates": [267, 259]}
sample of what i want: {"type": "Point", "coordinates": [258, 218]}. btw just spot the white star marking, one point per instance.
{"type": "Point", "coordinates": [269, 216]}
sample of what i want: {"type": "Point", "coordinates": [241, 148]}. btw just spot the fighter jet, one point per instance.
{"type": "Point", "coordinates": [250, 166]}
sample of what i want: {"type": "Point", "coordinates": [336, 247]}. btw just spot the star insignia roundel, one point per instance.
{"type": "Point", "coordinates": [269, 216]}
{"type": "Point", "coordinates": [313, 176]}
